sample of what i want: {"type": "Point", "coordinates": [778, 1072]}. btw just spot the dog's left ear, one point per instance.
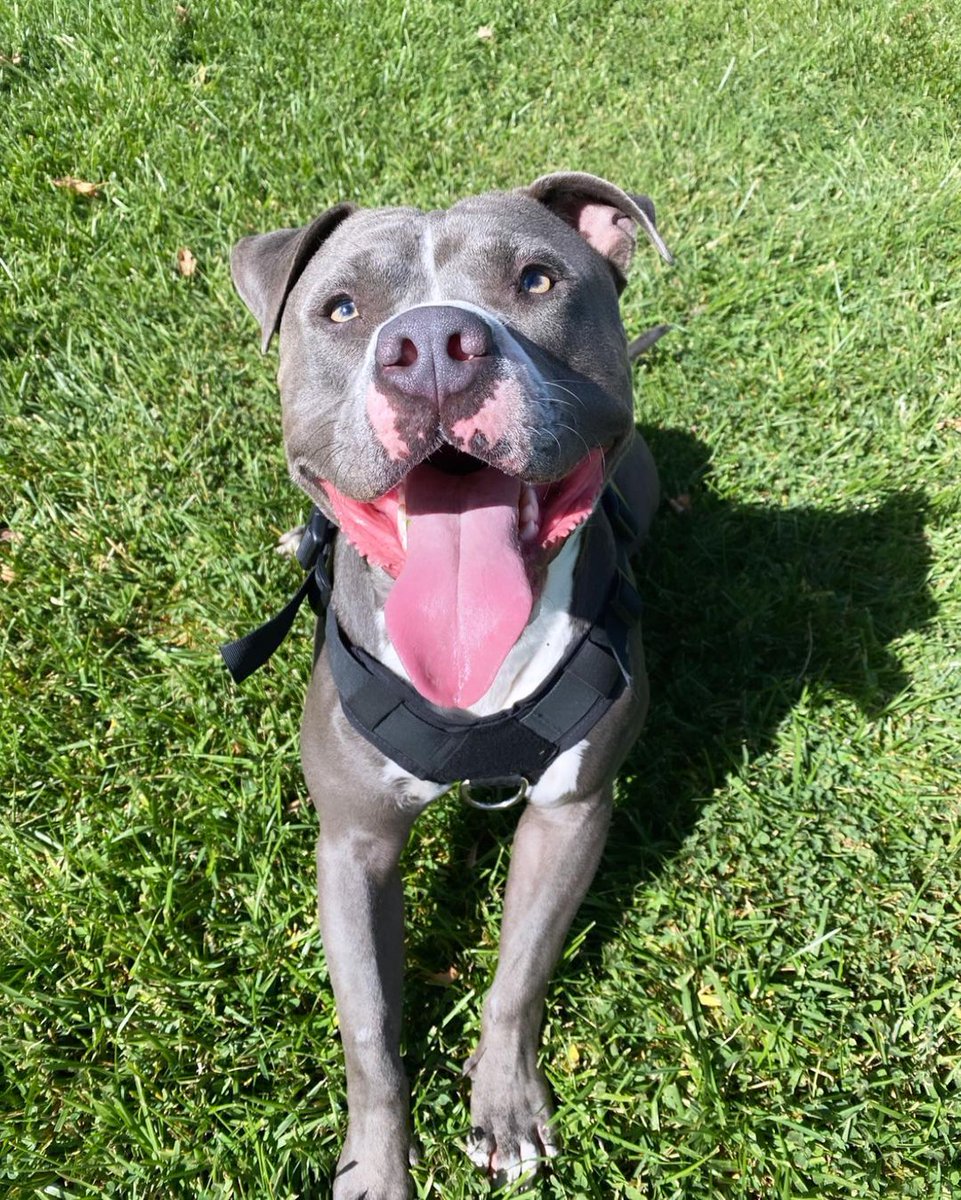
{"type": "Point", "coordinates": [604, 215]}
{"type": "Point", "coordinates": [266, 266]}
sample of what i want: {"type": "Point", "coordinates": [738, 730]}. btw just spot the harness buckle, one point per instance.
{"type": "Point", "coordinates": [312, 539]}
{"type": "Point", "coordinates": [500, 784]}
{"type": "Point", "coordinates": [314, 554]}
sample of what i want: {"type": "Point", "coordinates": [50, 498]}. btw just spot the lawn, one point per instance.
{"type": "Point", "coordinates": [761, 997]}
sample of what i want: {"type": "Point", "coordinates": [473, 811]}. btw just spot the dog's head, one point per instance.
{"type": "Point", "coordinates": [455, 384]}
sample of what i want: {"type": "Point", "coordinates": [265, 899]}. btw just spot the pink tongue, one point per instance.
{"type": "Point", "coordinates": [462, 597]}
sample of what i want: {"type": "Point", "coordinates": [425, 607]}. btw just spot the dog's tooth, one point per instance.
{"type": "Point", "coordinates": [528, 502]}
{"type": "Point", "coordinates": [528, 530]}
{"type": "Point", "coordinates": [402, 523]}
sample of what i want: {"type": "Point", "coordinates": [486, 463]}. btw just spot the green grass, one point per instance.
{"type": "Point", "coordinates": [761, 996]}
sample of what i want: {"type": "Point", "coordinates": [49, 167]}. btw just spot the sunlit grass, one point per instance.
{"type": "Point", "coordinates": [760, 997]}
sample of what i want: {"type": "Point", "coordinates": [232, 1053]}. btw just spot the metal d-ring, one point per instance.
{"type": "Point", "coordinates": [508, 781]}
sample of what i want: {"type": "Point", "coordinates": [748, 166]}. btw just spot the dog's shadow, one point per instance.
{"type": "Point", "coordinates": [746, 606]}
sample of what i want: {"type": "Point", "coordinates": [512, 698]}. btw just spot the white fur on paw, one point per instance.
{"type": "Point", "coordinates": [512, 1169]}
{"type": "Point", "coordinates": [549, 1141]}
{"type": "Point", "coordinates": [288, 542]}
{"type": "Point", "coordinates": [521, 1163]}
{"type": "Point", "coordinates": [480, 1148]}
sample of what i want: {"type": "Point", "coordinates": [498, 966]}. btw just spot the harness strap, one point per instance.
{"type": "Point", "coordinates": [248, 653]}
{"type": "Point", "coordinates": [449, 747]}
{"type": "Point", "coordinates": [251, 651]}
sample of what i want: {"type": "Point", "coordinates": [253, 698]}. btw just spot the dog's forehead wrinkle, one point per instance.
{"type": "Point", "coordinates": [496, 252]}
{"type": "Point", "coordinates": [370, 242]}
{"type": "Point", "coordinates": [490, 255]}
{"type": "Point", "coordinates": [361, 256]}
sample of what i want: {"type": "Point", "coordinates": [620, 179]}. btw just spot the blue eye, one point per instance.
{"type": "Point", "coordinates": [345, 310]}
{"type": "Point", "coordinates": [536, 281]}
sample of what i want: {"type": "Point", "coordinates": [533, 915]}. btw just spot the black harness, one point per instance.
{"type": "Point", "coordinates": [509, 748]}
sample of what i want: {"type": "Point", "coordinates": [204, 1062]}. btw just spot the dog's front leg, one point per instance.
{"type": "Point", "coordinates": [555, 855]}
{"type": "Point", "coordinates": [361, 917]}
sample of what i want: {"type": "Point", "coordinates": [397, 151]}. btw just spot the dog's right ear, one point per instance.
{"type": "Point", "coordinates": [605, 216]}
{"type": "Point", "coordinates": [266, 266]}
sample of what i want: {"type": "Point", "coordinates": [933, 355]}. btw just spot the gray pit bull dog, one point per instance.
{"type": "Point", "coordinates": [456, 398]}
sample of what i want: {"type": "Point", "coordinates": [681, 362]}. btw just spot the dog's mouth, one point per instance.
{"type": "Point", "coordinates": [450, 480]}
{"type": "Point", "coordinates": [466, 544]}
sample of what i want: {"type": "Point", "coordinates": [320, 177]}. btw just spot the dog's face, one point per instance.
{"type": "Point", "coordinates": [455, 386]}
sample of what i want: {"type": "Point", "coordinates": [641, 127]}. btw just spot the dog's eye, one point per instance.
{"type": "Point", "coordinates": [344, 310]}
{"type": "Point", "coordinates": [536, 281]}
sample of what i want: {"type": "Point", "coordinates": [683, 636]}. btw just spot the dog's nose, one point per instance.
{"type": "Point", "coordinates": [433, 352]}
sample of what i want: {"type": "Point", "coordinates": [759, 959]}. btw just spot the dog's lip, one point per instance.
{"type": "Point", "coordinates": [548, 511]}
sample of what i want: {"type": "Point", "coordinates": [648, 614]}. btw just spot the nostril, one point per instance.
{"type": "Point", "coordinates": [464, 346]}
{"type": "Point", "coordinates": [430, 340]}
{"type": "Point", "coordinates": [402, 355]}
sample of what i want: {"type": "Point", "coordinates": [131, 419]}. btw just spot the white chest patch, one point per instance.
{"type": "Point", "coordinates": [560, 778]}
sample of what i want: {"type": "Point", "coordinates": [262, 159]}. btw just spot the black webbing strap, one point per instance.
{"type": "Point", "coordinates": [247, 653]}
{"type": "Point", "coordinates": [251, 651]}
{"type": "Point", "coordinates": [446, 747]}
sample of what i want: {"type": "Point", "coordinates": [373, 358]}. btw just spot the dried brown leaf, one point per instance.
{"type": "Point", "coordinates": [79, 187]}
{"type": "Point", "coordinates": [681, 504]}
{"type": "Point", "coordinates": [444, 978]}
{"type": "Point", "coordinates": [485, 33]}
{"type": "Point", "coordinates": [186, 263]}
{"type": "Point", "coordinates": [7, 574]}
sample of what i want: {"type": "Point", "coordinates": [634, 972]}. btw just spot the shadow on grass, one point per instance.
{"type": "Point", "coordinates": [746, 605]}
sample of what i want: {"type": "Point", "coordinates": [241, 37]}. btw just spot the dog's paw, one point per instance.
{"type": "Point", "coordinates": [375, 1168]}
{"type": "Point", "coordinates": [512, 1160]}
{"type": "Point", "coordinates": [511, 1112]}
{"type": "Point", "coordinates": [288, 542]}
{"type": "Point", "coordinates": [371, 1179]}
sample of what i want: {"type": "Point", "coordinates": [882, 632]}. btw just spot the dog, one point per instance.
{"type": "Point", "coordinates": [457, 403]}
